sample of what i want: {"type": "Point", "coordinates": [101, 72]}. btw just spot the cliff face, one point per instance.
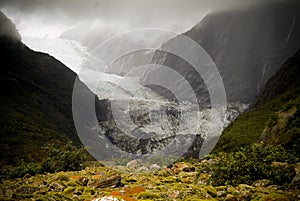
{"type": "Point", "coordinates": [247, 46]}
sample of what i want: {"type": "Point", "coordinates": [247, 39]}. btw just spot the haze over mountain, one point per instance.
{"type": "Point", "coordinates": [244, 60]}
{"type": "Point", "coordinates": [246, 45]}
{"type": "Point", "coordinates": [59, 86]}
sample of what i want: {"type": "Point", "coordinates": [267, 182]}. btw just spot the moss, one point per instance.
{"type": "Point", "coordinates": [69, 190]}
{"type": "Point", "coordinates": [211, 190]}
{"type": "Point", "coordinates": [25, 191]}
{"type": "Point", "coordinates": [169, 180]}
{"type": "Point", "coordinates": [221, 188]}
{"type": "Point", "coordinates": [57, 197]}
{"type": "Point", "coordinates": [147, 195]}
{"type": "Point", "coordinates": [71, 183]}
{"type": "Point", "coordinates": [89, 191]}
{"type": "Point", "coordinates": [199, 199]}
{"type": "Point", "coordinates": [274, 197]}
{"type": "Point", "coordinates": [63, 177]}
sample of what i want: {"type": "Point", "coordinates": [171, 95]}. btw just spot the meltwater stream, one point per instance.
{"type": "Point", "coordinates": [141, 113]}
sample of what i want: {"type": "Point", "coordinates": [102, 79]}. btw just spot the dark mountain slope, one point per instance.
{"type": "Point", "coordinates": [287, 78]}
{"type": "Point", "coordinates": [247, 46]}
{"type": "Point", "coordinates": [36, 107]}
{"type": "Point", "coordinates": [274, 118]}
{"type": "Point", "coordinates": [35, 100]}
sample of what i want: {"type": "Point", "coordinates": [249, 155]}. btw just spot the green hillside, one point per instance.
{"type": "Point", "coordinates": [274, 118]}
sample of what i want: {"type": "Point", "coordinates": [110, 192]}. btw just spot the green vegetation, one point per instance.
{"type": "Point", "coordinates": [261, 161]}
{"type": "Point", "coordinates": [248, 127]}
{"type": "Point", "coordinates": [274, 117]}
{"type": "Point", "coordinates": [58, 158]}
{"type": "Point", "coordinates": [167, 184]}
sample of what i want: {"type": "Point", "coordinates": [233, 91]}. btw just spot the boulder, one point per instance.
{"type": "Point", "coordinates": [112, 181]}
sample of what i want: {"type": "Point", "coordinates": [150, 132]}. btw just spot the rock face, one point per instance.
{"type": "Point", "coordinates": [247, 46]}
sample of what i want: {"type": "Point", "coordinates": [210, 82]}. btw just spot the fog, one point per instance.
{"type": "Point", "coordinates": [49, 18]}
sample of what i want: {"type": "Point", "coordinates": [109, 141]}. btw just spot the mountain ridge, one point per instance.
{"type": "Point", "coordinates": [250, 44]}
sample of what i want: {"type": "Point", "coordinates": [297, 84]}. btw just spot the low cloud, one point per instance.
{"type": "Point", "coordinates": [58, 15]}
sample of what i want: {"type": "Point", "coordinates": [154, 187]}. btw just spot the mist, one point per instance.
{"type": "Point", "coordinates": [50, 18]}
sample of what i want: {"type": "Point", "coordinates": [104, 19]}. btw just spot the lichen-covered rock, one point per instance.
{"type": "Point", "coordinates": [179, 167]}
{"type": "Point", "coordinates": [261, 183]}
{"type": "Point", "coordinates": [112, 181]}
{"type": "Point", "coordinates": [134, 164]}
{"type": "Point", "coordinates": [83, 181]}
{"type": "Point", "coordinates": [163, 185]}
{"type": "Point", "coordinates": [54, 186]}
{"type": "Point", "coordinates": [154, 167]}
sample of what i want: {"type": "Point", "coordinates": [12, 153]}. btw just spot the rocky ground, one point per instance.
{"type": "Point", "coordinates": [181, 181]}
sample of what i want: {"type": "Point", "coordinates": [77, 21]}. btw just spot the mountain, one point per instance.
{"type": "Point", "coordinates": [36, 108]}
{"type": "Point", "coordinates": [35, 100]}
{"type": "Point", "coordinates": [275, 115]}
{"type": "Point", "coordinates": [247, 46]}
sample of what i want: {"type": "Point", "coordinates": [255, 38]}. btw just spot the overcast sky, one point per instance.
{"type": "Point", "coordinates": [52, 17]}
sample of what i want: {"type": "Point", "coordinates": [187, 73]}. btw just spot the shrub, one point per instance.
{"type": "Point", "coordinates": [248, 165]}
{"type": "Point", "coordinates": [65, 158]}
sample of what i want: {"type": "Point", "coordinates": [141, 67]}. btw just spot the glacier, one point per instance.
{"type": "Point", "coordinates": [138, 111]}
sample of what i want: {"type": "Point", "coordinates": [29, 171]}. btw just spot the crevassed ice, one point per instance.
{"type": "Point", "coordinates": [119, 89]}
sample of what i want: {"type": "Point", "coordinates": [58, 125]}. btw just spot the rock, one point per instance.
{"type": "Point", "coordinates": [134, 164]}
{"type": "Point", "coordinates": [55, 187]}
{"type": "Point", "coordinates": [112, 181]}
{"type": "Point", "coordinates": [274, 187]}
{"type": "Point", "coordinates": [165, 172]}
{"type": "Point", "coordinates": [107, 198]}
{"type": "Point", "coordinates": [261, 183]}
{"type": "Point", "coordinates": [155, 167]}
{"type": "Point", "coordinates": [83, 181]}
{"type": "Point", "coordinates": [221, 193]}
{"type": "Point", "coordinates": [178, 167]}
{"type": "Point", "coordinates": [143, 169]}
{"type": "Point", "coordinates": [242, 187]}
